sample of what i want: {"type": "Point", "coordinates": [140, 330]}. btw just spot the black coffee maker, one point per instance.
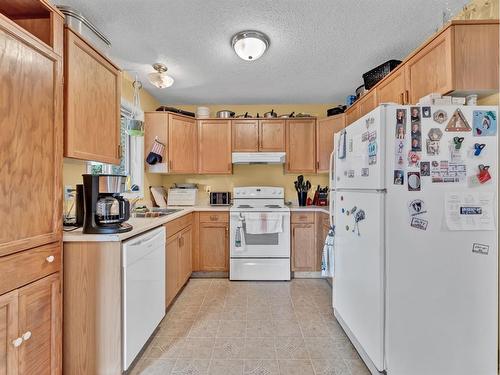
{"type": "Point", "coordinates": [105, 210]}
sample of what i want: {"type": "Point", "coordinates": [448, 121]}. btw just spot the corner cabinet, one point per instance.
{"type": "Point", "coordinates": [214, 147]}
{"type": "Point", "coordinates": [179, 134]}
{"type": "Point", "coordinates": [301, 145]}
{"type": "Point", "coordinates": [92, 85]}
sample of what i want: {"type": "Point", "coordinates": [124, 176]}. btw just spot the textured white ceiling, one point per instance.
{"type": "Point", "coordinates": [319, 48]}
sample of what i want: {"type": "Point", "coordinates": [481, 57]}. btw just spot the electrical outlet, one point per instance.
{"type": "Point", "coordinates": [208, 188]}
{"type": "Point", "coordinates": [68, 192]}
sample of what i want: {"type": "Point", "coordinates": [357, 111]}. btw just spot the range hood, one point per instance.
{"type": "Point", "coordinates": [258, 157]}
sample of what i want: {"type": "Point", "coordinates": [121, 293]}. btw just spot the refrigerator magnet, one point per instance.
{"type": "Point", "coordinates": [425, 168]}
{"type": "Point", "coordinates": [365, 172]}
{"type": "Point", "coordinates": [458, 123]}
{"type": "Point", "coordinates": [413, 181]}
{"type": "Point", "coordinates": [426, 112]}
{"type": "Point", "coordinates": [484, 123]}
{"type": "Point", "coordinates": [440, 116]}
{"type": "Point", "coordinates": [413, 158]}
{"type": "Point", "coordinates": [419, 223]}
{"type": "Point", "coordinates": [399, 177]}
{"type": "Point", "coordinates": [479, 248]}
{"type": "Point", "coordinates": [484, 175]}
{"type": "Point", "coordinates": [416, 207]}
{"type": "Point", "coordinates": [478, 148]}
{"type": "Point", "coordinates": [457, 141]}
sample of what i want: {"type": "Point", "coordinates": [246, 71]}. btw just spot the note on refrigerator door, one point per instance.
{"type": "Point", "coordinates": [470, 211]}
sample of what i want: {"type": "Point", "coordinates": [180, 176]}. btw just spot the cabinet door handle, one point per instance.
{"type": "Point", "coordinates": [26, 335]}
{"type": "Point", "coordinates": [169, 165]}
{"type": "Point", "coordinates": [17, 342]}
{"type": "Point", "coordinates": [227, 231]}
{"type": "Point", "coordinates": [402, 98]}
{"type": "Point", "coordinates": [214, 218]}
{"type": "Point", "coordinates": [50, 259]}
{"type": "Point", "coordinates": [119, 151]}
{"type": "Point", "coordinates": [407, 97]}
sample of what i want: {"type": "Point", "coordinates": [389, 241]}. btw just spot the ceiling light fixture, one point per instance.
{"type": "Point", "coordinates": [250, 45]}
{"type": "Point", "coordinates": [160, 79]}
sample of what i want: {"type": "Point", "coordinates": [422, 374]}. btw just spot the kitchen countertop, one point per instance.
{"type": "Point", "coordinates": [141, 225]}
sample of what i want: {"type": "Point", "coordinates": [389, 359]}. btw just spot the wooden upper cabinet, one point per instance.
{"type": "Point", "coordinates": [245, 135]}
{"type": "Point", "coordinates": [430, 70]}
{"type": "Point", "coordinates": [182, 144]}
{"type": "Point", "coordinates": [352, 114]}
{"type": "Point", "coordinates": [9, 332]}
{"type": "Point", "coordinates": [271, 135]}
{"type": "Point", "coordinates": [392, 89]}
{"type": "Point", "coordinates": [214, 146]}
{"type": "Point", "coordinates": [40, 326]}
{"type": "Point", "coordinates": [325, 130]}
{"type": "Point", "coordinates": [300, 146]}
{"type": "Point", "coordinates": [367, 103]}
{"type": "Point", "coordinates": [31, 144]}
{"type": "Point", "coordinates": [92, 102]}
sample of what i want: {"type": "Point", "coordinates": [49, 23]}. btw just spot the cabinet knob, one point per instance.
{"type": "Point", "coordinates": [26, 335]}
{"type": "Point", "coordinates": [17, 342]}
{"type": "Point", "coordinates": [50, 258]}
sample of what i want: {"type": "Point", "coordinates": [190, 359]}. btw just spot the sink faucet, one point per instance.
{"type": "Point", "coordinates": [133, 203]}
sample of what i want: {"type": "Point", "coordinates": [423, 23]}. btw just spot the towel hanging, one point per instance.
{"type": "Point", "coordinates": [327, 261]}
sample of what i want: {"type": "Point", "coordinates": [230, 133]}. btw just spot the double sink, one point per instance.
{"type": "Point", "coordinates": [157, 212]}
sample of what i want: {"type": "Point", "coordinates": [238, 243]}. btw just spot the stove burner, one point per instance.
{"type": "Point", "coordinates": [273, 206]}
{"type": "Point", "coordinates": [244, 206]}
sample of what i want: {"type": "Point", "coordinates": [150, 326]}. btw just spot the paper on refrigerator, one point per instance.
{"type": "Point", "coordinates": [470, 210]}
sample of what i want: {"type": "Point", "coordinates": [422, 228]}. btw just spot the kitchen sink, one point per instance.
{"type": "Point", "coordinates": [158, 212]}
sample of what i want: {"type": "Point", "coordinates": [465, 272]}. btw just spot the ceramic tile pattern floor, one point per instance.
{"type": "Point", "coordinates": [219, 327]}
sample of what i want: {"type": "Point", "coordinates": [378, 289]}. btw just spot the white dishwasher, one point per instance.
{"type": "Point", "coordinates": [143, 277]}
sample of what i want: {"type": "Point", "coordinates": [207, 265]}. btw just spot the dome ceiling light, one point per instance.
{"type": "Point", "coordinates": [250, 45]}
{"type": "Point", "coordinates": [160, 79]}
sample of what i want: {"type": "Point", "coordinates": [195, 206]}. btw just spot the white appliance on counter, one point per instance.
{"type": "Point", "coordinates": [182, 196]}
{"type": "Point", "coordinates": [416, 249]}
{"type": "Point", "coordinates": [264, 255]}
{"type": "Point", "coordinates": [143, 275]}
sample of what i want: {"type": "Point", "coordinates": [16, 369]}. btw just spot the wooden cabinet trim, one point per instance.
{"type": "Point", "coordinates": [9, 330]}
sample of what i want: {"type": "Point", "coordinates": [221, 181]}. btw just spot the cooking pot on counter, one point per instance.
{"type": "Point", "coordinates": [225, 114]}
{"type": "Point", "coordinates": [246, 115]}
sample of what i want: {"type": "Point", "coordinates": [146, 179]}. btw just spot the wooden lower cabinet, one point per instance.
{"type": "Point", "coordinates": [30, 328]}
{"type": "Point", "coordinates": [303, 247]}
{"type": "Point", "coordinates": [213, 247]}
{"type": "Point", "coordinates": [309, 231]}
{"type": "Point", "coordinates": [172, 269]}
{"type": "Point", "coordinates": [178, 256]}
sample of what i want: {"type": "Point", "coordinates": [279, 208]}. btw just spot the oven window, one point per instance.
{"type": "Point", "coordinates": [271, 239]}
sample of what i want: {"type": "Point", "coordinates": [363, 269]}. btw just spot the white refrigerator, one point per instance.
{"type": "Point", "coordinates": [416, 259]}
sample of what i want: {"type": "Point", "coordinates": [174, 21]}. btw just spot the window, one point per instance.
{"type": "Point", "coordinates": [131, 163]}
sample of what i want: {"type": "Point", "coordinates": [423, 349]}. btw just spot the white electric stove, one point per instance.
{"type": "Point", "coordinates": [259, 256]}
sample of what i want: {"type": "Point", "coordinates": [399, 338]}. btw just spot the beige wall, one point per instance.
{"type": "Point", "coordinates": [247, 175]}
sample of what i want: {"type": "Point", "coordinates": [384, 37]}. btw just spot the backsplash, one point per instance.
{"type": "Point", "coordinates": [248, 175]}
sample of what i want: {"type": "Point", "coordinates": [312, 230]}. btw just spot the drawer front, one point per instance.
{"type": "Point", "coordinates": [302, 217]}
{"type": "Point", "coordinates": [176, 225]}
{"type": "Point", "coordinates": [27, 266]}
{"type": "Point", "coordinates": [214, 217]}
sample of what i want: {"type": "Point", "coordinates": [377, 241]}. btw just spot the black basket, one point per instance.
{"type": "Point", "coordinates": [375, 75]}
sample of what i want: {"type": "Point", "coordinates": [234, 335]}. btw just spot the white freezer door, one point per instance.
{"type": "Point", "coordinates": [359, 156]}
{"type": "Point", "coordinates": [441, 296]}
{"type": "Point", "coordinates": [359, 269]}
